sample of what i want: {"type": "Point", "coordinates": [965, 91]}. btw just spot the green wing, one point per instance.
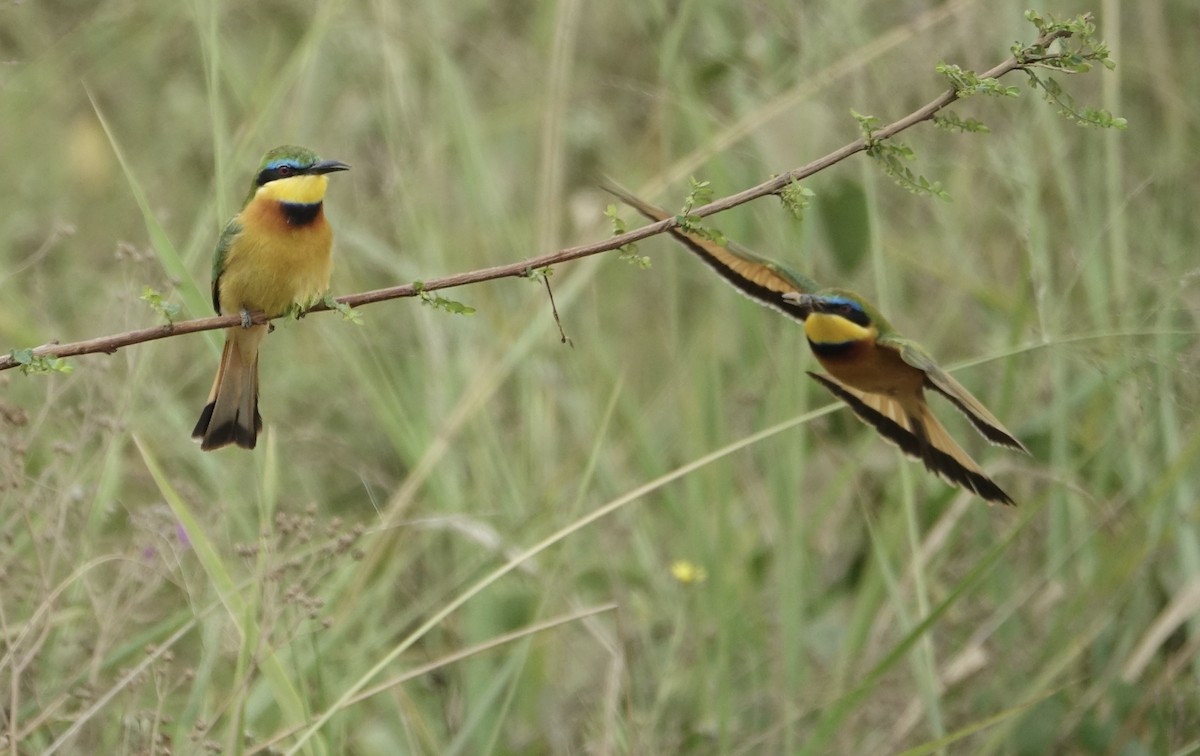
{"type": "Point", "coordinates": [232, 229]}
{"type": "Point", "coordinates": [759, 278]}
{"type": "Point", "coordinates": [943, 383]}
{"type": "Point", "coordinates": [910, 351]}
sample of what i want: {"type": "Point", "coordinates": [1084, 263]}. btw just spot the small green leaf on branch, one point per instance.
{"type": "Point", "coordinates": [39, 364]}
{"type": "Point", "coordinates": [700, 193]}
{"type": "Point", "coordinates": [441, 303]}
{"type": "Point", "coordinates": [890, 155]}
{"type": "Point", "coordinates": [968, 83]}
{"type": "Point", "coordinates": [868, 124]}
{"type": "Point", "coordinates": [341, 308]}
{"type": "Point", "coordinates": [168, 310]}
{"type": "Point", "coordinates": [795, 198]}
{"type": "Point", "coordinates": [1053, 93]}
{"type": "Point", "coordinates": [626, 252]}
{"type": "Point", "coordinates": [951, 122]}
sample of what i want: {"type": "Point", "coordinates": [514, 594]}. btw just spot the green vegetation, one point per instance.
{"type": "Point", "coordinates": [627, 252]}
{"type": "Point", "coordinates": [169, 311]}
{"type": "Point", "coordinates": [438, 302]}
{"type": "Point", "coordinates": [457, 535]}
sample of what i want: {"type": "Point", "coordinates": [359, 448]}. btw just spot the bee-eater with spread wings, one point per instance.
{"type": "Point", "coordinates": [883, 377]}
{"type": "Point", "coordinates": [879, 374]}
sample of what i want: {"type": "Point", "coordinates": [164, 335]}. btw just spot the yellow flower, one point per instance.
{"type": "Point", "coordinates": [687, 572]}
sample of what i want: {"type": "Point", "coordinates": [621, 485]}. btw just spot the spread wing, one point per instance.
{"type": "Point", "coordinates": [942, 382]}
{"type": "Point", "coordinates": [920, 436]}
{"type": "Point", "coordinates": [761, 279]}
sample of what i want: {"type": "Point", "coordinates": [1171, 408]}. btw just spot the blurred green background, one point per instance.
{"type": "Point", "coordinates": [810, 591]}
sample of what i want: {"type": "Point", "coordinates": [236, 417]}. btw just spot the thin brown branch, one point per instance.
{"type": "Point", "coordinates": [554, 311]}
{"type": "Point", "coordinates": [110, 344]}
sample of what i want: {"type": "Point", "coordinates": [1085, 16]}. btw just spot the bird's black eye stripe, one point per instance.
{"type": "Point", "coordinates": [848, 310]}
{"type": "Point", "coordinates": [857, 316]}
{"type": "Point", "coordinates": [268, 175]}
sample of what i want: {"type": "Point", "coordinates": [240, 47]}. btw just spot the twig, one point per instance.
{"type": "Point", "coordinates": [554, 309]}
{"type": "Point", "coordinates": [110, 344]}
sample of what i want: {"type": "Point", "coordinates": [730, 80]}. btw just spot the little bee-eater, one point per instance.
{"type": "Point", "coordinates": [276, 254]}
{"type": "Point", "coordinates": [881, 376]}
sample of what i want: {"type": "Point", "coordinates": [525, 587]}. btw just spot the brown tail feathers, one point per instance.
{"type": "Point", "coordinates": [231, 415]}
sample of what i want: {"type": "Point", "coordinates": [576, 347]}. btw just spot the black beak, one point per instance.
{"type": "Point", "coordinates": [328, 166]}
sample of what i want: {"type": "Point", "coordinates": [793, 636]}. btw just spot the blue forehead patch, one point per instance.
{"type": "Point", "coordinates": [843, 301]}
{"type": "Point", "coordinates": [289, 162]}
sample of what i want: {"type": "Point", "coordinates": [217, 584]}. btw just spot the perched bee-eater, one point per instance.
{"type": "Point", "coordinates": [880, 375]}
{"type": "Point", "coordinates": [276, 254]}
{"type": "Point", "coordinates": [883, 377]}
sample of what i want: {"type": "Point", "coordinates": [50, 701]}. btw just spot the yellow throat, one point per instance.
{"type": "Point", "coordinates": [306, 189]}
{"type": "Point", "coordinates": [823, 328]}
